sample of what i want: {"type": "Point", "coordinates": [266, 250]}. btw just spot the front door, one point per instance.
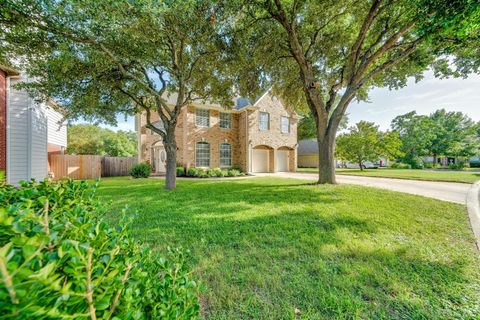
{"type": "Point", "coordinates": [160, 159]}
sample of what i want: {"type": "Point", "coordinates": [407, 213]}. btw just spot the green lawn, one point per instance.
{"type": "Point", "coordinates": [265, 246]}
{"type": "Point", "coordinates": [428, 175]}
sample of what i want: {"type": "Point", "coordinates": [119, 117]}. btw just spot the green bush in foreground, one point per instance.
{"type": "Point", "coordinates": [141, 170]}
{"type": "Point", "coordinates": [59, 260]}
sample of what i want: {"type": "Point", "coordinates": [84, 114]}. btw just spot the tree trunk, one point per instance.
{"type": "Point", "coordinates": [434, 160]}
{"type": "Point", "coordinates": [360, 165]}
{"type": "Point", "coordinates": [171, 174]}
{"type": "Point", "coordinates": [326, 164]}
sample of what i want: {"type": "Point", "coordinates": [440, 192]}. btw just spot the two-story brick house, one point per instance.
{"type": "Point", "coordinates": [255, 137]}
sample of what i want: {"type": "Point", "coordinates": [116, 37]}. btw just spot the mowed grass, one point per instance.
{"type": "Point", "coordinates": [267, 246]}
{"type": "Point", "coordinates": [427, 175]}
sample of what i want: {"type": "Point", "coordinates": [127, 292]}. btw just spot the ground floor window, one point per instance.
{"type": "Point", "coordinates": [225, 155]}
{"type": "Point", "coordinates": [202, 154]}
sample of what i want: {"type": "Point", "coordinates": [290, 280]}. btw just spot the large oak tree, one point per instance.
{"type": "Point", "coordinates": [99, 58]}
{"type": "Point", "coordinates": [326, 53]}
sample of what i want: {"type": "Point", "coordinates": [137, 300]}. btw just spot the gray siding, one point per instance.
{"type": "Point", "coordinates": [26, 137]}
{"type": "Point", "coordinates": [57, 131]}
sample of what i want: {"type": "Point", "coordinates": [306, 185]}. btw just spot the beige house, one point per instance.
{"type": "Point", "coordinates": [255, 137]}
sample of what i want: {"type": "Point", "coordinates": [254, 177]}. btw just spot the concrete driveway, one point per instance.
{"type": "Point", "coordinates": [446, 191]}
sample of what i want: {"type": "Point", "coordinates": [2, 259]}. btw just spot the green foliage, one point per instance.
{"type": "Point", "coordinates": [442, 133]}
{"type": "Point", "coordinates": [213, 172]}
{"type": "Point", "coordinates": [59, 260]}
{"type": "Point", "coordinates": [141, 170]}
{"type": "Point", "coordinates": [400, 165]}
{"type": "Point", "coordinates": [91, 139]}
{"type": "Point", "coordinates": [475, 164]}
{"type": "Point", "coordinates": [180, 171]}
{"type": "Point", "coordinates": [307, 128]}
{"type": "Point", "coordinates": [365, 142]}
{"type": "Point", "coordinates": [459, 165]}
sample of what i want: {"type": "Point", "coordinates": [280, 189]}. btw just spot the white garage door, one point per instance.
{"type": "Point", "coordinates": [282, 160]}
{"type": "Point", "coordinates": [259, 160]}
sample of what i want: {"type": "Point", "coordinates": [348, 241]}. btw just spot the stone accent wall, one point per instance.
{"type": "Point", "coordinates": [3, 120]}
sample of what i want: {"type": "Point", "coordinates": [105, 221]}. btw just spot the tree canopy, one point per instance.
{"type": "Point", "coordinates": [364, 142]}
{"type": "Point", "coordinates": [100, 58]}
{"type": "Point", "coordinates": [91, 139]}
{"type": "Point", "coordinates": [442, 133]}
{"type": "Point", "coordinates": [325, 54]}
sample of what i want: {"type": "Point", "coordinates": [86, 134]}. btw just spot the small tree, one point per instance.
{"type": "Point", "coordinates": [365, 142]}
{"type": "Point", "coordinates": [98, 58]}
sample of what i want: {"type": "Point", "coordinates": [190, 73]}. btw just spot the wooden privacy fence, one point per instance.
{"type": "Point", "coordinates": [89, 166]}
{"type": "Point", "coordinates": [117, 166]}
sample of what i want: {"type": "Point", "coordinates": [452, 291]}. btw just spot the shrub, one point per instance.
{"type": "Point", "coordinates": [428, 165]}
{"type": "Point", "coordinates": [400, 165]}
{"type": "Point", "coordinates": [141, 170]}
{"type": "Point", "coordinates": [59, 260]}
{"type": "Point", "coordinates": [217, 172]}
{"type": "Point", "coordinates": [192, 172]}
{"type": "Point", "coordinates": [459, 165]}
{"type": "Point", "coordinates": [180, 171]}
{"type": "Point", "coordinates": [234, 173]}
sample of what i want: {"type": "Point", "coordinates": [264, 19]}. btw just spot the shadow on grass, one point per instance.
{"type": "Point", "coordinates": [265, 247]}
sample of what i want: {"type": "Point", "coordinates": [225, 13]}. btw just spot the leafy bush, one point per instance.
{"type": "Point", "coordinates": [141, 170]}
{"type": "Point", "coordinates": [180, 171]}
{"type": "Point", "coordinates": [459, 165]}
{"type": "Point", "coordinates": [215, 172]}
{"type": "Point", "coordinates": [400, 165]}
{"type": "Point", "coordinates": [59, 260]}
{"type": "Point", "coordinates": [428, 165]}
{"type": "Point", "coordinates": [234, 173]}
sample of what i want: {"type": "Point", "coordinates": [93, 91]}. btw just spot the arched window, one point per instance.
{"type": "Point", "coordinates": [202, 154]}
{"type": "Point", "coordinates": [225, 155]}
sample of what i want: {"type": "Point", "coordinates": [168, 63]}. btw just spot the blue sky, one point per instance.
{"type": "Point", "coordinates": [424, 97]}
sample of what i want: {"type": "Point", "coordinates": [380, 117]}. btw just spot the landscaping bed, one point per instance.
{"type": "Point", "coordinates": [209, 172]}
{"type": "Point", "coordinates": [270, 248]}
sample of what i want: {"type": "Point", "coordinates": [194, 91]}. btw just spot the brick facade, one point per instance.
{"type": "Point", "coordinates": [3, 120]}
{"type": "Point", "coordinates": [243, 136]}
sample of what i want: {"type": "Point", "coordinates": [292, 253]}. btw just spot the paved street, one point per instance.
{"type": "Point", "coordinates": [447, 191]}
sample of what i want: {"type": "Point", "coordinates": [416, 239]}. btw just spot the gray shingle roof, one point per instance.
{"type": "Point", "coordinates": [307, 147]}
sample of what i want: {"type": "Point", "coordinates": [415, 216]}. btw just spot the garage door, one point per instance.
{"type": "Point", "coordinates": [260, 161]}
{"type": "Point", "coordinates": [282, 160]}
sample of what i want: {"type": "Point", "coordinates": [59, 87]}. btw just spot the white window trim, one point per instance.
{"type": "Point", "coordinates": [281, 124]}
{"type": "Point", "coordinates": [220, 120]}
{"type": "Point", "coordinates": [260, 121]}
{"type": "Point", "coordinates": [200, 126]}
{"type": "Point", "coordinates": [220, 155]}
{"type": "Point", "coordinates": [209, 154]}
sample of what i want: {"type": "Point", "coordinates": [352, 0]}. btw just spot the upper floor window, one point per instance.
{"type": "Point", "coordinates": [225, 155]}
{"type": "Point", "coordinates": [285, 125]}
{"type": "Point", "coordinates": [202, 117]}
{"type": "Point", "coordinates": [225, 120]}
{"type": "Point", "coordinates": [202, 154]}
{"type": "Point", "coordinates": [264, 122]}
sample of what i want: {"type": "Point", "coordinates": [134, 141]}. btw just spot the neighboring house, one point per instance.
{"type": "Point", "coordinates": [29, 132]}
{"type": "Point", "coordinates": [308, 157]}
{"type": "Point", "coordinates": [255, 137]}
